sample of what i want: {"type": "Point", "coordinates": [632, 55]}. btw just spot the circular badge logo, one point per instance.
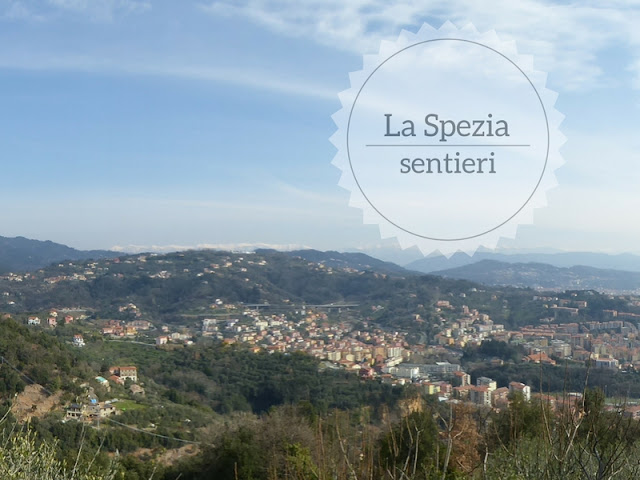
{"type": "Point", "coordinates": [447, 139]}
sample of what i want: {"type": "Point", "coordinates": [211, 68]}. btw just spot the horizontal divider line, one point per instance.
{"type": "Point", "coordinates": [447, 145]}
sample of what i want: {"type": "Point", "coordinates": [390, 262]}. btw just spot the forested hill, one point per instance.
{"type": "Point", "coordinates": [164, 286]}
{"type": "Point", "coordinates": [171, 287]}
{"type": "Point", "coordinates": [21, 254]}
{"type": "Point", "coordinates": [548, 277]}
{"type": "Point", "coordinates": [354, 260]}
{"type": "Point", "coordinates": [254, 412]}
{"type": "Point", "coordinates": [29, 356]}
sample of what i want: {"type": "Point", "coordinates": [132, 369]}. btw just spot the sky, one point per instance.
{"type": "Point", "coordinates": [164, 125]}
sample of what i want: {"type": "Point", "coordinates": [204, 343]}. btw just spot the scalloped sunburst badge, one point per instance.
{"type": "Point", "coordinates": [448, 139]}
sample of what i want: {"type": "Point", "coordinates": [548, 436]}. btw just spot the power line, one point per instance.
{"type": "Point", "coordinates": [31, 380]}
{"type": "Point", "coordinates": [193, 442]}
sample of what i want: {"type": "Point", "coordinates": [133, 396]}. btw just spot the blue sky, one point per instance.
{"type": "Point", "coordinates": [168, 124]}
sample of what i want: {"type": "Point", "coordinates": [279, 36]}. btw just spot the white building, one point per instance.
{"type": "Point", "coordinates": [522, 388]}
{"type": "Point", "coordinates": [486, 382]}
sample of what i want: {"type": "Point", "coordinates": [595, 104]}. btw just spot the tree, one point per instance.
{"type": "Point", "coordinates": [411, 449]}
{"type": "Point", "coordinates": [22, 458]}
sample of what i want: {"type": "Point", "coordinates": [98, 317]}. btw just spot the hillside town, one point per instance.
{"type": "Point", "coordinates": [370, 351]}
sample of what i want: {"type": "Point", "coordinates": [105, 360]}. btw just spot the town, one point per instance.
{"type": "Point", "coordinates": [343, 338]}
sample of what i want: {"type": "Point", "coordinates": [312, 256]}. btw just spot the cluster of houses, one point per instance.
{"type": "Point", "coordinates": [439, 379]}
{"type": "Point", "coordinates": [487, 394]}
{"type": "Point", "coordinates": [94, 410]}
{"type": "Point", "coordinates": [376, 353]}
{"type": "Point", "coordinates": [185, 338]}
{"type": "Point", "coordinates": [52, 319]}
{"type": "Point", "coordinates": [612, 344]}
{"type": "Point", "coordinates": [89, 412]}
{"type": "Point", "coordinates": [120, 374]}
{"type": "Point", "coordinates": [118, 328]}
{"type": "Point", "coordinates": [463, 326]}
{"type": "Point", "coordinates": [314, 334]}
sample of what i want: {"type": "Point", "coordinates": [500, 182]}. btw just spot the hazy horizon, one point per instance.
{"type": "Point", "coordinates": [150, 123]}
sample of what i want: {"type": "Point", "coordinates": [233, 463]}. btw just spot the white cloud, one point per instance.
{"type": "Point", "coordinates": [565, 38]}
{"type": "Point", "coordinates": [261, 80]}
{"type": "Point", "coordinates": [331, 22]}
{"type": "Point", "coordinates": [244, 247]}
{"type": "Point", "coordinates": [246, 77]}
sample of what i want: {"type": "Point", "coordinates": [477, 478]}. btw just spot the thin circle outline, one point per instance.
{"type": "Point", "coordinates": [544, 111]}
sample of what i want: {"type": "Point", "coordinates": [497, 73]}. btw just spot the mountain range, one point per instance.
{"type": "Point", "coordinates": [354, 260]}
{"type": "Point", "coordinates": [546, 277]}
{"type": "Point", "coordinates": [19, 254]}
{"type": "Point", "coordinates": [539, 270]}
{"type": "Point", "coordinates": [437, 262]}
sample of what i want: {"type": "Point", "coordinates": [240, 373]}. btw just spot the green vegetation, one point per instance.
{"type": "Point", "coordinates": [227, 378]}
{"type": "Point", "coordinates": [39, 356]}
{"type": "Point", "coordinates": [129, 405]}
{"type": "Point", "coordinates": [491, 349]}
{"type": "Point", "coordinates": [571, 378]}
{"type": "Point", "coordinates": [167, 287]}
{"type": "Point", "coordinates": [271, 416]}
{"type": "Point", "coordinates": [575, 439]}
{"type": "Point", "coordinates": [23, 457]}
